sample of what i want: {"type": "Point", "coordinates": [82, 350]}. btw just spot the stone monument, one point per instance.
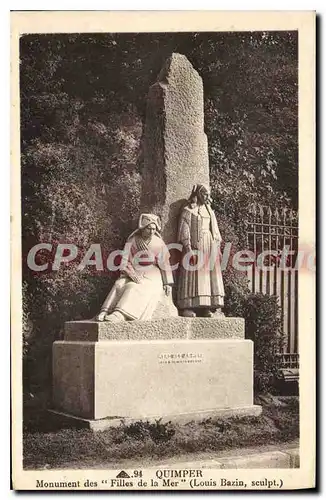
{"type": "Point", "coordinates": [175, 368]}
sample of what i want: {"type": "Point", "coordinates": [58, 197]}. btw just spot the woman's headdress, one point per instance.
{"type": "Point", "coordinates": [145, 220]}
{"type": "Point", "coordinates": [196, 190]}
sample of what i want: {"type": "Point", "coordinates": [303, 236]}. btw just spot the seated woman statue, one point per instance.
{"type": "Point", "coordinates": [145, 275]}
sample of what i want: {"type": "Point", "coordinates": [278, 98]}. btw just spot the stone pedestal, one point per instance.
{"type": "Point", "coordinates": [176, 368]}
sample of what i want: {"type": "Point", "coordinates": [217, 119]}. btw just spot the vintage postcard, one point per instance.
{"type": "Point", "coordinates": [163, 250]}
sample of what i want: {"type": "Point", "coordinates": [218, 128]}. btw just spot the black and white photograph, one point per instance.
{"type": "Point", "coordinates": [165, 255]}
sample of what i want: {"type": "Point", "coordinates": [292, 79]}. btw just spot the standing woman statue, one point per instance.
{"type": "Point", "coordinates": [145, 276]}
{"type": "Point", "coordinates": [200, 285]}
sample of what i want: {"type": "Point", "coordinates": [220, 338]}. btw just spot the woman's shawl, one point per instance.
{"type": "Point", "coordinates": [190, 227]}
{"type": "Point", "coordinates": [158, 254]}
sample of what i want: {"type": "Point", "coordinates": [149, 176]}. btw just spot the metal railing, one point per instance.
{"type": "Point", "coordinates": [275, 231]}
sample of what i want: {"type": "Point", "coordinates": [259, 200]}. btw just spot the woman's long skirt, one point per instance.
{"type": "Point", "coordinates": [201, 285]}
{"type": "Point", "coordinates": [136, 300]}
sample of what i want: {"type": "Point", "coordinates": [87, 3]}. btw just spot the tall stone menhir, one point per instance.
{"type": "Point", "coordinates": [175, 144]}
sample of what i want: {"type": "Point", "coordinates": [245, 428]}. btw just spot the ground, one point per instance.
{"type": "Point", "coordinates": [47, 446]}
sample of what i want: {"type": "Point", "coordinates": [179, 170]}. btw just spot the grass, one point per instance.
{"type": "Point", "coordinates": [46, 446]}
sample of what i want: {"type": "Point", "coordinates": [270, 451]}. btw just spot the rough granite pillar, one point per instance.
{"type": "Point", "coordinates": [175, 145]}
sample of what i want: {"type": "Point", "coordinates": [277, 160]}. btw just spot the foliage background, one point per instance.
{"type": "Point", "coordinates": [83, 99]}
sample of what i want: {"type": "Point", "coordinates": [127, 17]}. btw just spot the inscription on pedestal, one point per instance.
{"type": "Point", "coordinates": [184, 357]}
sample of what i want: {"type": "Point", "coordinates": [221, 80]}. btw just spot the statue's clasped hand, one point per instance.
{"type": "Point", "coordinates": [192, 256]}
{"type": "Point", "coordinates": [101, 316]}
{"type": "Point", "coordinates": [132, 275]}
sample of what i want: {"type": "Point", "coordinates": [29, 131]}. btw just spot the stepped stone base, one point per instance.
{"type": "Point", "coordinates": [182, 418]}
{"type": "Point", "coordinates": [165, 329]}
{"type": "Point", "coordinates": [157, 369]}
